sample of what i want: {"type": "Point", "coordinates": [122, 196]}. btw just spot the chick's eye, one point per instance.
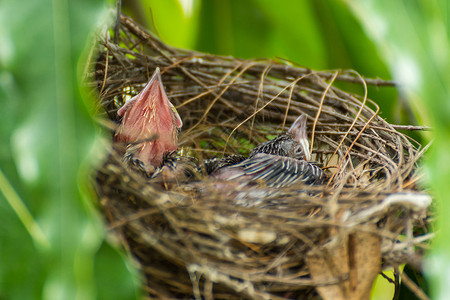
{"type": "Point", "coordinates": [299, 152]}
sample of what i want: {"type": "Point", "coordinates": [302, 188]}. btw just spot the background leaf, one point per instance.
{"type": "Point", "coordinates": [47, 133]}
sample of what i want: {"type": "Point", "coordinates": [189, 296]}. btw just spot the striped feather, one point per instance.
{"type": "Point", "coordinates": [276, 171]}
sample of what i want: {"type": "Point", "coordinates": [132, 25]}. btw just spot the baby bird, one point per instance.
{"type": "Point", "coordinates": [149, 127]}
{"type": "Point", "coordinates": [276, 163]}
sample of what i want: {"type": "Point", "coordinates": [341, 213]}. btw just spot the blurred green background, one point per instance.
{"type": "Point", "coordinates": [52, 240]}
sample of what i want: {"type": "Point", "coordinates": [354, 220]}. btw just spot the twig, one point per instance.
{"type": "Point", "coordinates": [412, 127]}
{"type": "Point", "coordinates": [413, 287]}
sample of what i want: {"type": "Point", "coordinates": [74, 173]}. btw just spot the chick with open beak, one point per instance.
{"type": "Point", "coordinates": [149, 126]}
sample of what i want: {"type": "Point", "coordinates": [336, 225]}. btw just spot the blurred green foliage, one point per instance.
{"type": "Point", "coordinates": [50, 236]}
{"type": "Point", "coordinates": [55, 247]}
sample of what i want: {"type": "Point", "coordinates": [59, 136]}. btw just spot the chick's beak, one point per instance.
{"type": "Point", "coordinates": [299, 133]}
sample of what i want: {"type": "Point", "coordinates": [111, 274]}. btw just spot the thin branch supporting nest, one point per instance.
{"type": "Point", "coordinates": [196, 242]}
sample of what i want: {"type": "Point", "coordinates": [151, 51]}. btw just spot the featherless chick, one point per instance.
{"type": "Point", "coordinates": [149, 132]}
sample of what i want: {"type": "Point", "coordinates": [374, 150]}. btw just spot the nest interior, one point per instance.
{"type": "Point", "coordinates": [193, 240]}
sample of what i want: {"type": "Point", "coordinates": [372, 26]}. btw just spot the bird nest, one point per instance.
{"type": "Point", "coordinates": [192, 239]}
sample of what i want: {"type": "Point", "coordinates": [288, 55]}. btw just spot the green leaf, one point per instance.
{"type": "Point", "coordinates": [296, 32]}
{"type": "Point", "coordinates": [49, 236]}
{"type": "Point", "coordinates": [175, 22]}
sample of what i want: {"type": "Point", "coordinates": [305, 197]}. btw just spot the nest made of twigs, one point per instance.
{"type": "Point", "coordinates": [197, 242]}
